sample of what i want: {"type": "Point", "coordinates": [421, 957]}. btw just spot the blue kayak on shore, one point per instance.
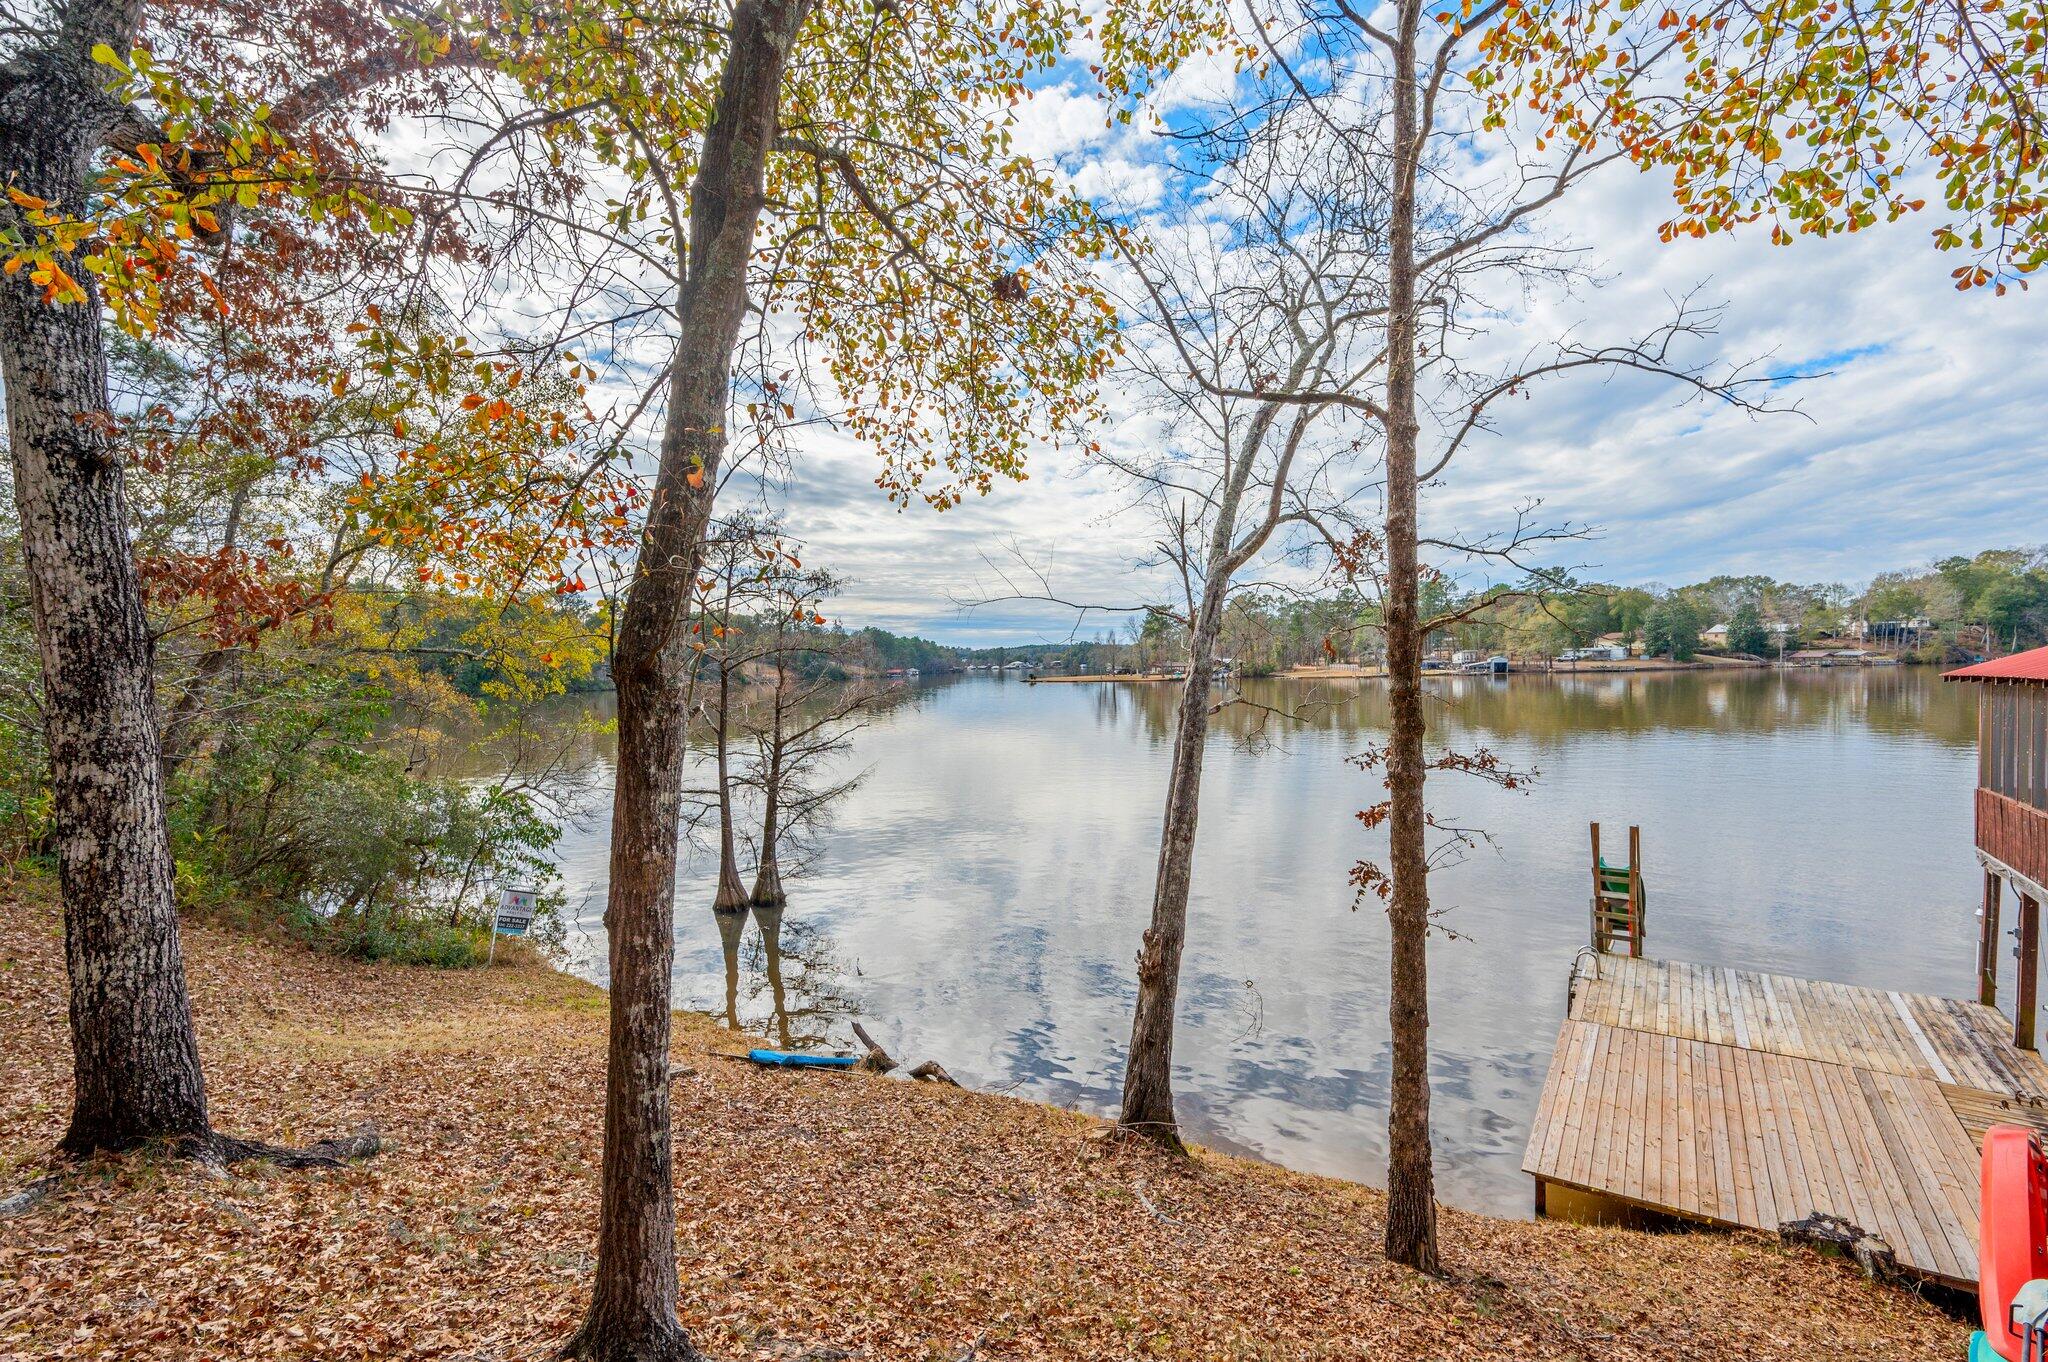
{"type": "Point", "coordinates": [782, 1059]}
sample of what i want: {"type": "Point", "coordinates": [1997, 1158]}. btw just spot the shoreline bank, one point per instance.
{"type": "Point", "coordinates": [872, 1217]}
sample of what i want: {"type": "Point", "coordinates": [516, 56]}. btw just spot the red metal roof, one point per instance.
{"type": "Point", "coordinates": [2031, 665]}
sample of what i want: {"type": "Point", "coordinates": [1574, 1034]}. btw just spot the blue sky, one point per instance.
{"type": "Point", "coordinates": [1920, 435]}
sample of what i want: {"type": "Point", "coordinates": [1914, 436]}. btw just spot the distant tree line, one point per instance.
{"type": "Point", "coordinates": [1995, 601]}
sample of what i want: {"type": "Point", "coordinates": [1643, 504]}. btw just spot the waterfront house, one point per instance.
{"type": "Point", "coordinates": [1717, 636]}
{"type": "Point", "coordinates": [2012, 817]}
{"type": "Point", "coordinates": [1894, 633]}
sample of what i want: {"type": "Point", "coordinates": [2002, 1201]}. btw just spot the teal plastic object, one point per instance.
{"type": "Point", "coordinates": [1981, 1349]}
{"type": "Point", "coordinates": [782, 1059]}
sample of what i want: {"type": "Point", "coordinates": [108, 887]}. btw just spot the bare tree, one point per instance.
{"type": "Point", "coordinates": [1378, 102]}
{"type": "Point", "coordinates": [805, 721]}
{"type": "Point", "coordinates": [1228, 312]}
{"type": "Point", "coordinates": [775, 685]}
{"type": "Point", "coordinates": [741, 562]}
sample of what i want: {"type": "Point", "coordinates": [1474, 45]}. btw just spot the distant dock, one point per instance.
{"type": "Point", "coordinates": [1750, 1100]}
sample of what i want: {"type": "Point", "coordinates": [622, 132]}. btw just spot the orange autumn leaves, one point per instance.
{"type": "Point", "coordinates": [979, 1225]}
{"type": "Point", "coordinates": [215, 154]}
{"type": "Point", "coordinates": [487, 482]}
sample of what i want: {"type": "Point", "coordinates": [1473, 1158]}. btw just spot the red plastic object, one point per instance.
{"type": "Point", "coordinates": [2012, 1242]}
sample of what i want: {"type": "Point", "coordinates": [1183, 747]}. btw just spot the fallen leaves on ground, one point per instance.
{"type": "Point", "coordinates": [821, 1215]}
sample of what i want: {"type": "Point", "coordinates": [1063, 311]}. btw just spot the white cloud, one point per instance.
{"type": "Point", "coordinates": [1922, 435]}
{"type": "Point", "coordinates": [1923, 438]}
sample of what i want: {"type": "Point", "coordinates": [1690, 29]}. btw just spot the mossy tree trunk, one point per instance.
{"type": "Point", "coordinates": [135, 1056]}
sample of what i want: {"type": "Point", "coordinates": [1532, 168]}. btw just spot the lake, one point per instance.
{"type": "Point", "coordinates": [979, 898]}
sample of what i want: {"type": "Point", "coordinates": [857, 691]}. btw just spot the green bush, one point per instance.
{"type": "Point", "coordinates": [1673, 629]}
{"type": "Point", "coordinates": [302, 808]}
{"type": "Point", "coordinates": [24, 792]}
{"type": "Point", "coordinates": [1746, 632]}
{"type": "Point", "coordinates": [411, 941]}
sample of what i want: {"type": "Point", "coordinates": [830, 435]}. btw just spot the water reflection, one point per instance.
{"type": "Point", "coordinates": [982, 893]}
{"type": "Point", "coordinates": [732, 925]}
{"type": "Point", "coordinates": [792, 965]}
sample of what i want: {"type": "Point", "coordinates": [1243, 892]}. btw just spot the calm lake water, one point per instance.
{"type": "Point", "coordinates": [979, 898]}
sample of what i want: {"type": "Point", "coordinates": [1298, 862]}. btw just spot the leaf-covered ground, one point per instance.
{"type": "Point", "coordinates": [822, 1216]}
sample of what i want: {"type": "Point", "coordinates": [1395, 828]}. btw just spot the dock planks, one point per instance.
{"type": "Point", "coordinates": [1747, 1099]}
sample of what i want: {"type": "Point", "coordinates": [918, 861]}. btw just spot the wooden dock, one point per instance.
{"type": "Point", "coordinates": [1750, 1100]}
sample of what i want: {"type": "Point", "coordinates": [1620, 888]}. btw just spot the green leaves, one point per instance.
{"type": "Point", "coordinates": [939, 276]}
{"type": "Point", "coordinates": [1811, 114]}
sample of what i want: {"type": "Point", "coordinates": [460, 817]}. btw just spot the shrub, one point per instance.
{"type": "Point", "coordinates": [24, 792]}
{"type": "Point", "coordinates": [302, 808]}
{"type": "Point", "coordinates": [1746, 632]}
{"type": "Point", "coordinates": [1673, 628]}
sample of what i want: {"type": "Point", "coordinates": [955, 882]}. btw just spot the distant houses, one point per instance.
{"type": "Point", "coordinates": [1717, 635]}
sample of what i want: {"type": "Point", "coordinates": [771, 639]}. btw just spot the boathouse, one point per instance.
{"type": "Point", "coordinates": [2012, 819]}
{"type": "Point", "coordinates": [1762, 1101]}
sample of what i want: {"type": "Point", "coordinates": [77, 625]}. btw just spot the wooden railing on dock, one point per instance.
{"type": "Point", "coordinates": [1618, 897]}
{"type": "Point", "coordinates": [2015, 833]}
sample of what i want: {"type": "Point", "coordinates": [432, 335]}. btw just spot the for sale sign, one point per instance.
{"type": "Point", "coordinates": [515, 911]}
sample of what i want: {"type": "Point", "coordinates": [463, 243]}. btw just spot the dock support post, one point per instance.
{"type": "Point", "coordinates": [1599, 936]}
{"type": "Point", "coordinates": [1541, 1208]}
{"type": "Point", "coordinates": [1635, 891]}
{"type": "Point", "coordinates": [1987, 942]}
{"type": "Point", "coordinates": [2030, 973]}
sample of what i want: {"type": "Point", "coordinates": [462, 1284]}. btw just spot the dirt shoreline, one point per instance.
{"type": "Point", "coordinates": [821, 1216]}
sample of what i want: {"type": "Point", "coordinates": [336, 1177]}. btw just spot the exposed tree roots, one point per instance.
{"type": "Point", "coordinates": [641, 1344]}
{"type": "Point", "coordinates": [1161, 1135]}
{"type": "Point", "coordinates": [220, 1150]}
{"type": "Point", "coordinates": [216, 1151]}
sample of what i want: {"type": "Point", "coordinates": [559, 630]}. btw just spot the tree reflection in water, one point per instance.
{"type": "Point", "coordinates": [1813, 823]}
{"type": "Point", "coordinates": [795, 964]}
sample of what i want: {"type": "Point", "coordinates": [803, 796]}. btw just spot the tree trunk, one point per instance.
{"type": "Point", "coordinates": [731, 895]}
{"type": "Point", "coordinates": [1148, 1074]}
{"type": "Point", "coordinates": [632, 1314]}
{"type": "Point", "coordinates": [135, 1060]}
{"type": "Point", "coordinates": [768, 892]}
{"type": "Point", "coordinates": [1411, 1191]}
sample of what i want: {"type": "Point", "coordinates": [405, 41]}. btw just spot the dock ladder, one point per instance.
{"type": "Point", "coordinates": [1618, 897]}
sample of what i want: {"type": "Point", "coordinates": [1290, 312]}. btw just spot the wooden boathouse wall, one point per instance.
{"type": "Point", "coordinates": [2012, 821]}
